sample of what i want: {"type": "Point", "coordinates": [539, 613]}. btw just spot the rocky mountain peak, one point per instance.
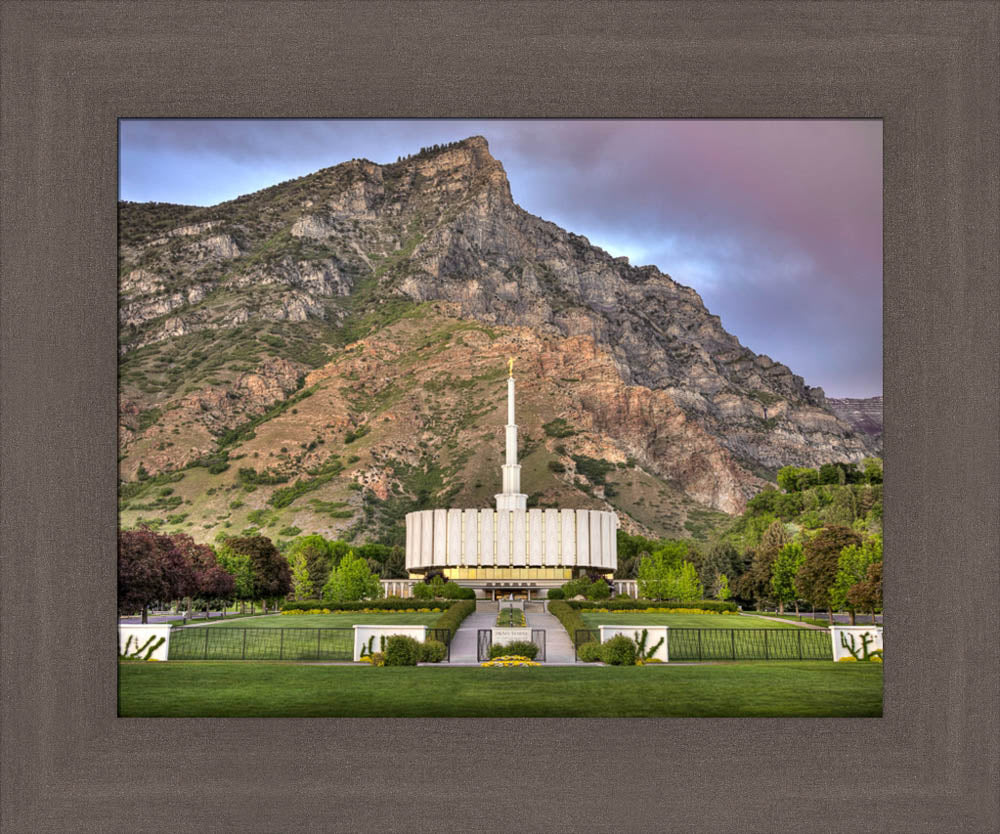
{"type": "Point", "coordinates": [211, 296]}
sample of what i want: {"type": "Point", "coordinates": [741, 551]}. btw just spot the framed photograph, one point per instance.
{"type": "Point", "coordinates": [501, 403]}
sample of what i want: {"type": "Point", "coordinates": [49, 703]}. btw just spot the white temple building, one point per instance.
{"type": "Point", "coordinates": [509, 552]}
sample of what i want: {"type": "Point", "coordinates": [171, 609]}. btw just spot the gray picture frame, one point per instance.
{"type": "Point", "coordinates": [70, 70]}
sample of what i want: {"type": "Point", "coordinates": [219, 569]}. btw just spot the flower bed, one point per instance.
{"type": "Point", "coordinates": [511, 618]}
{"type": "Point", "coordinates": [704, 606]}
{"type": "Point", "coordinates": [510, 660]}
{"type": "Point", "coordinates": [294, 611]}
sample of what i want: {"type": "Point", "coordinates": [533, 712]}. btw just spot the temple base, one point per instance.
{"type": "Point", "coordinates": [511, 501]}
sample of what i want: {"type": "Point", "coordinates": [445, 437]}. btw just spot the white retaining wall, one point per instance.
{"type": "Point", "coordinates": [140, 634]}
{"type": "Point", "coordinates": [509, 635]}
{"type": "Point", "coordinates": [362, 633]}
{"type": "Point", "coordinates": [853, 635]}
{"type": "Point", "coordinates": [653, 636]}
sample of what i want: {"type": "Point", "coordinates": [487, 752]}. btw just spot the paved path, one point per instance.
{"type": "Point", "coordinates": [780, 620]}
{"type": "Point", "coordinates": [558, 646]}
{"type": "Point", "coordinates": [464, 643]}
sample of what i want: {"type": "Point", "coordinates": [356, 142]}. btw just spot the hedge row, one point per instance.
{"type": "Point", "coordinates": [568, 615]}
{"type": "Point", "coordinates": [452, 618]}
{"type": "Point", "coordinates": [391, 604]}
{"type": "Point", "coordinates": [638, 604]}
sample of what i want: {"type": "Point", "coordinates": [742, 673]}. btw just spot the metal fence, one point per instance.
{"type": "Point", "coordinates": [222, 643]}
{"type": "Point", "coordinates": [484, 642]}
{"type": "Point", "coordinates": [443, 635]}
{"type": "Point", "coordinates": [538, 638]}
{"type": "Point", "coordinates": [736, 643]}
{"type": "Point", "coordinates": [748, 644]}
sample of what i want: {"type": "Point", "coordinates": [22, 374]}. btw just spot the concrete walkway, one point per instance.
{"type": "Point", "coordinates": [464, 643]}
{"type": "Point", "coordinates": [780, 620]}
{"type": "Point", "coordinates": [558, 646]}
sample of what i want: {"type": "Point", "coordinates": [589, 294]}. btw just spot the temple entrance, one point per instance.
{"type": "Point", "coordinates": [510, 593]}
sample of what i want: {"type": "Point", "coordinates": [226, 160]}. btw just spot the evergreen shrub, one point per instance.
{"type": "Point", "coordinates": [401, 650]}
{"type": "Point", "coordinates": [619, 651]}
{"type": "Point", "coordinates": [433, 651]}
{"type": "Point", "coordinates": [518, 647]}
{"type": "Point", "coordinates": [457, 611]}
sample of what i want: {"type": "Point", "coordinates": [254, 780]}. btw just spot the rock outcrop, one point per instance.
{"type": "Point", "coordinates": [337, 255]}
{"type": "Point", "coordinates": [865, 414]}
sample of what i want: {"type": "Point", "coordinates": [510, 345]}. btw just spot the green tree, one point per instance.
{"type": "Point", "coordinates": [756, 583]}
{"type": "Point", "coordinates": [352, 580]}
{"type": "Point", "coordinates": [872, 470]}
{"type": "Point", "coordinates": [721, 558]}
{"type": "Point", "coordinates": [721, 587]}
{"type": "Point", "coordinates": [270, 576]}
{"type": "Point", "coordinates": [302, 585]}
{"type": "Point", "coordinates": [818, 572]}
{"type": "Point", "coordinates": [338, 550]}
{"type": "Point", "coordinates": [237, 565]}
{"type": "Point", "coordinates": [796, 479]}
{"type": "Point", "coordinates": [867, 595]}
{"type": "Point", "coordinates": [687, 585]}
{"type": "Point", "coordinates": [655, 575]}
{"type": "Point", "coordinates": [852, 569]}
{"type": "Point", "coordinates": [395, 565]}
{"type": "Point", "coordinates": [830, 473]}
{"type": "Point", "coordinates": [783, 571]}
{"type": "Point", "coordinates": [310, 556]}
{"type": "Point", "coordinates": [674, 551]}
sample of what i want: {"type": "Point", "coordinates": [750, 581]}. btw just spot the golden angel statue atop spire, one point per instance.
{"type": "Point", "coordinates": [510, 366]}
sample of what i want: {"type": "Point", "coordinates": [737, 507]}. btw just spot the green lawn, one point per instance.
{"type": "Point", "coordinates": [679, 620]}
{"type": "Point", "coordinates": [816, 621]}
{"type": "Point", "coordinates": [207, 689]}
{"type": "Point", "coordinates": [328, 620]}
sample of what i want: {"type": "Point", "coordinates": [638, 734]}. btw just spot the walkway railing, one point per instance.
{"type": "Point", "coordinates": [484, 642]}
{"type": "Point", "coordinates": [538, 638]}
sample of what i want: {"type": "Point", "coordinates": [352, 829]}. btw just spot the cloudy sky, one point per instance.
{"type": "Point", "coordinates": [777, 224]}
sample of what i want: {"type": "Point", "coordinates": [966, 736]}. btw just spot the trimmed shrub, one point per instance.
{"type": "Point", "coordinates": [423, 591]}
{"type": "Point", "coordinates": [589, 652]}
{"type": "Point", "coordinates": [568, 616]}
{"type": "Point", "coordinates": [518, 647]}
{"type": "Point", "coordinates": [433, 651]}
{"type": "Point", "coordinates": [384, 604]}
{"type": "Point", "coordinates": [576, 587]}
{"type": "Point", "coordinates": [457, 611]}
{"type": "Point", "coordinates": [619, 651]}
{"type": "Point", "coordinates": [599, 590]}
{"type": "Point", "coordinates": [556, 593]}
{"type": "Point", "coordinates": [401, 650]}
{"type": "Point", "coordinates": [442, 590]}
{"type": "Point", "coordinates": [629, 604]}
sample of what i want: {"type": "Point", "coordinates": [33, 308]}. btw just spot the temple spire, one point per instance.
{"type": "Point", "coordinates": [511, 498]}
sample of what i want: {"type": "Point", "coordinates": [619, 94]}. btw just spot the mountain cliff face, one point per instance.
{"type": "Point", "coordinates": [325, 299]}
{"type": "Point", "coordinates": [864, 415]}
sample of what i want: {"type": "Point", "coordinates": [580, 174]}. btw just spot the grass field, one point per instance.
{"type": "Point", "coordinates": [328, 620]}
{"type": "Point", "coordinates": [205, 689]}
{"type": "Point", "coordinates": [679, 620]}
